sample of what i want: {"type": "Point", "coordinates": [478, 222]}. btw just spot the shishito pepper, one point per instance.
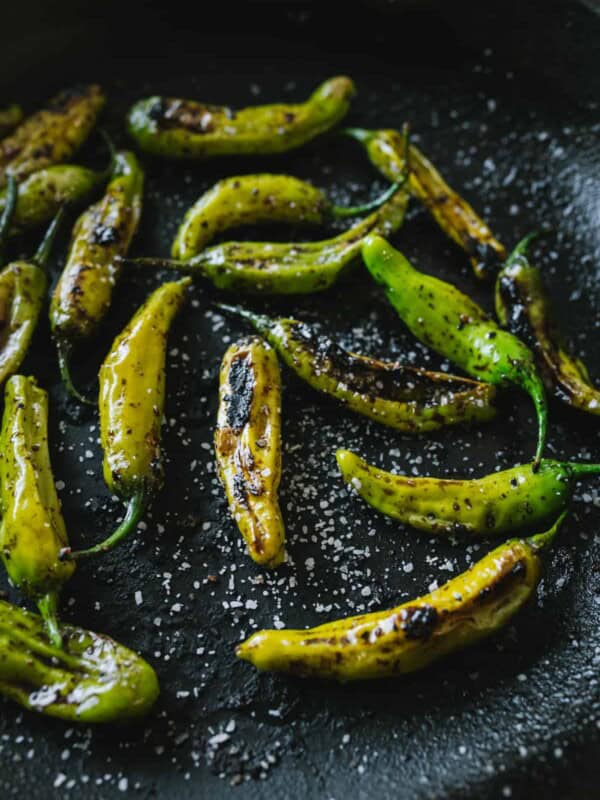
{"type": "Point", "coordinates": [404, 397]}
{"type": "Point", "coordinates": [52, 134]}
{"type": "Point", "coordinates": [102, 233]}
{"type": "Point", "coordinates": [454, 215]}
{"type": "Point", "coordinates": [386, 644]}
{"type": "Point", "coordinates": [248, 446]}
{"type": "Point", "coordinates": [449, 322]}
{"type": "Point", "coordinates": [524, 308]}
{"type": "Point", "coordinates": [90, 679]}
{"type": "Point", "coordinates": [132, 398]}
{"type": "Point", "coordinates": [176, 128]}
{"type": "Point", "coordinates": [32, 530]}
{"type": "Point", "coordinates": [516, 499]}
{"type": "Point", "coordinates": [10, 118]}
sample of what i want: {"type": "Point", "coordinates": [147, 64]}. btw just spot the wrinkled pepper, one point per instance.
{"type": "Point", "coordinates": [10, 117]}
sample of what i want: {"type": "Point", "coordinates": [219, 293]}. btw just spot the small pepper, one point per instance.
{"type": "Point", "coordinates": [10, 117]}
{"type": "Point", "coordinates": [449, 322]}
{"type": "Point", "coordinates": [32, 531]}
{"type": "Point", "coordinates": [132, 398]}
{"type": "Point", "coordinates": [516, 499]}
{"type": "Point", "coordinates": [248, 446]}
{"type": "Point", "coordinates": [175, 128]}
{"type": "Point", "coordinates": [51, 135]}
{"type": "Point", "coordinates": [406, 398]}
{"type": "Point", "coordinates": [411, 636]}
{"type": "Point", "coordinates": [454, 215]}
{"type": "Point", "coordinates": [103, 232]}
{"type": "Point", "coordinates": [524, 308]}
{"type": "Point", "coordinates": [90, 679]}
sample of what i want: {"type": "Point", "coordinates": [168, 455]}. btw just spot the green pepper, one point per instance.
{"type": "Point", "coordinates": [449, 322]}
{"type": "Point", "coordinates": [411, 636]}
{"type": "Point", "coordinates": [406, 398]}
{"type": "Point", "coordinates": [176, 128]}
{"type": "Point", "coordinates": [10, 118]}
{"type": "Point", "coordinates": [132, 398]}
{"type": "Point", "coordinates": [32, 531]}
{"type": "Point", "coordinates": [523, 306]}
{"type": "Point", "coordinates": [454, 215]}
{"type": "Point", "coordinates": [103, 232]}
{"type": "Point", "coordinates": [51, 135]}
{"type": "Point", "coordinates": [90, 679]}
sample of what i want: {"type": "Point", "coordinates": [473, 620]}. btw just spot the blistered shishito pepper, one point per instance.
{"type": "Point", "coordinates": [454, 215]}
{"type": "Point", "coordinates": [52, 134]}
{"type": "Point", "coordinates": [523, 306]}
{"type": "Point", "coordinates": [103, 232]}
{"type": "Point", "coordinates": [449, 322]}
{"type": "Point", "coordinates": [10, 117]}
{"type": "Point", "coordinates": [248, 446]}
{"type": "Point", "coordinates": [176, 128]}
{"type": "Point", "coordinates": [386, 644]}
{"type": "Point", "coordinates": [516, 499]}
{"type": "Point", "coordinates": [248, 199]}
{"type": "Point", "coordinates": [132, 398]}
{"type": "Point", "coordinates": [404, 397]}
{"type": "Point", "coordinates": [32, 531]}
{"type": "Point", "coordinates": [90, 679]}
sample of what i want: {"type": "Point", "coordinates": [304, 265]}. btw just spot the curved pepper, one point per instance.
{"type": "Point", "coordinates": [411, 636]}
{"type": "Point", "coordinates": [32, 531]}
{"type": "Point", "coordinates": [523, 306]}
{"type": "Point", "coordinates": [248, 446]}
{"type": "Point", "coordinates": [176, 128]}
{"type": "Point", "coordinates": [406, 398]}
{"type": "Point", "coordinates": [515, 499]}
{"type": "Point", "coordinates": [51, 135]}
{"type": "Point", "coordinates": [103, 232]}
{"type": "Point", "coordinates": [132, 398]}
{"type": "Point", "coordinates": [449, 322]}
{"type": "Point", "coordinates": [91, 679]}
{"type": "Point", "coordinates": [10, 117]}
{"type": "Point", "coordinates": [454, 215]}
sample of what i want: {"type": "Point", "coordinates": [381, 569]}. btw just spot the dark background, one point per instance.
{"type": "Point", "coordinates": [504, 98]}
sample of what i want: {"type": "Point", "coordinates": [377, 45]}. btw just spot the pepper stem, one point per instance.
{"type": "Point", "coordinates": [542, 540]}
{"type": "Point", "coordinates": [65, 373]}
{"type": "Point", "coordinates": [579, 469]}
{"type": "Point", "coordinates": [353, 211]}
{"type": "Point", "coordinates": [360, 134]}
{"type": "Point", "coordinates": [532, 383]}
{"type": "Point", "coordinates": [261, 322]}
{"type": "Point", "coordinates": [48, 609]}
{"type": "Point", "coordinates": [42, 254]}
{"type": "Point", "coordinates": [10, 205]}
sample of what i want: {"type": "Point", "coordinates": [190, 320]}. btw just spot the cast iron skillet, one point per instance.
{"type": "Point", "coordinates": [505, 102]}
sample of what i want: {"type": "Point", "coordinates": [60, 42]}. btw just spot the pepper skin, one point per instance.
{"type": "Point", "coordinates": [10, 117]}
{"type": "Point", "coordinates": [32, 531]}
{"type": "Point", "coordinates": [102, 233]}
{"type": "Point", "coordinates": [449, 322]}
{"type": "Point", "coordinates": [51, 135]}
{"type": "Point", "coordinates": [287, 268]}
{"type": "Point", "coordinates": [248, 446]}
{"type": "Point", "coordinates": [454, 215]}
{"type": "Point", "coordinates": [523, 306]}
{"type": "Point", "coordinates": [386, 644]}
{"type": "Point", "coordinates": [516, 499]}
{"type": "Point", "coordinates": [91, 679]}
{"type": "Point", "coordinates": [132, 398]}
{"type": "Point", "coordinates": [406, 398]}
{"type": "Point", "coordinates": [176, 128]}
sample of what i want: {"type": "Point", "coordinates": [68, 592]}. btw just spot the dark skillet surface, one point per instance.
{"type": "Point", "coordinates": [506, 107]}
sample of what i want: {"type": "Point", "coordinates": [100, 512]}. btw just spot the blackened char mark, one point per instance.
{"type": "Point", "coordinates": [517, 311]}
{"type": "Point", "coordinates": [188, 115]}
{"type": "Point", "coordinates": [105, 235]}
{"type": "Point", "coordinates": [241, 384]}
{"type": "Point", "coordinates": [418, 622]}
{"type": "Point", "coordinates": [488, 260]}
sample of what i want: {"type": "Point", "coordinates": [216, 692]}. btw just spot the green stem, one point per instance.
{"type": "Point", "coordinates": [48, 609]}
{"type": "Point", "coordinates": [342, 212]}
{"type": "Point", "coordinates": [579, 469]}
{"type": "Point", "coordinates": [261, 322]}
{"type": "Point", "coordinates": [65, 373]}
{"type": "Point", "coordinates": [532, 383]}
{"type": "Point", "coordinates": [42, 254]}
{"type": "Point", "coordinates": [542, 540]}
{"type": "Point", "coordinates": [360, 134]}
{"type": "Point", "coordinates": [10, 205]}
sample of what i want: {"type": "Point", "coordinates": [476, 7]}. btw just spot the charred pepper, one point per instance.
{"type": "Point", "coordinates": [523, 306]}
{"type": "Point", "coordinates": [248, 446]}
{"type": "Point", "coordinates": [132, 397]}
{"type": "Point", "coordinates": [10, 118]}
{"type": "Point", "coordinates": [90, 679]}
{"type": "Point", "coordinates": [411, 636]}
{"type": "Point", "coordinates": [449, 322]}
{"type": "Point", "coordinates": [406, 398]}
{"type": "Point", "coordinates": [32, 531]}
{"type": "Point", "coordinates": [176, 128]}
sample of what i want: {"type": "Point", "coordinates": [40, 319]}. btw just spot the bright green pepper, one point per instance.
{"type": "Point", "coordinates": [407, 638]}
{"type": "Point", "coordinates": [51, 135]}
{"type": "Point", "coordinates": [132, 398]}
{"type": "Point", "coordinates": [449, 322]}
{"type": "Point", "coordinates": [406, 398]}
{"type": "Point", "coordinates": [91, 679]}
{"type": "Point", "coordinates": [523, 306]}
{"type": "Point", "coordinates": [10, 117]}
{"type": "Point", "coordinates": [177, 128]}
{"type": "Point", "coordinates": [102, 233]}
{"type": "Point", "coordinates": [32, 531]}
